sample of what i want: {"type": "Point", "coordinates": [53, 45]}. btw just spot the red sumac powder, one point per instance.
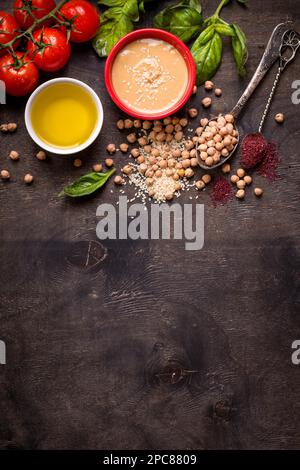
{"type": "Point", "coordinates": [253, 150]}
{"type": "Point", "coordinates": [269, 165]}
{"type": "Point", "coordinates": [221, 191]}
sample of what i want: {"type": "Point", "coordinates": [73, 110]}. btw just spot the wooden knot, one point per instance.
{"type": "Point", "coordinates": [222, 409]}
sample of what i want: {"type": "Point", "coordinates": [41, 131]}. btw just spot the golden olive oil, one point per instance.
{"type": "Point", "coordinates": [64, 115]}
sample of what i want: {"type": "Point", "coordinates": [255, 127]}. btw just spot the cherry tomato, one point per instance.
{"type": "Point", "coordinates": [23, 9]}
{"type": "Point", "coordinates": [20, 80]}
{"type": "Point", "coordinates": [8, 30]}
{"type": "Point", "coordinates": [53, 52]}
{"type": "Point", "coordinates": [86, 19]}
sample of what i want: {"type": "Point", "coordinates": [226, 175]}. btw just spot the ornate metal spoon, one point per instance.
{"type": "Point", "coordinates": [282, 46]}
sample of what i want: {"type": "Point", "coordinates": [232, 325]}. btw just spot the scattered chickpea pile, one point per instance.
{"type": "Point", "coordinates": [164, 159]}
{"type": "Point", "coordinates": [217, 138]}
{"type": "Point", "coordinates": [241, 180]}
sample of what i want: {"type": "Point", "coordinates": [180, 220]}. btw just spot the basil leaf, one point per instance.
{"type": "Point", "coordinates": [205, 36]}
{"type": "Point", "coordinates": [239, 49]}
{"type": "Point", "coordinates": [207, 57]}
{"type": "Point", "coordinates": [224, 30]}
{"type": "Point", "coordinates": [183, 19]}
{"type": "Point", "coordinates": [87, 184]}
{"type": "Point", "coordinates": [110, 32]}
{"type": "Point", "coordinates": [112, 3]}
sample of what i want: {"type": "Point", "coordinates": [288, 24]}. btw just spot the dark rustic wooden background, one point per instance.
{"type": "Point", "coordinates": [91, 351]}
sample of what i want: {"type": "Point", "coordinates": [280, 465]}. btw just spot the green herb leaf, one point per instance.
{"type": "Point", "coordinates": [87, 184]}
{"type": "Point", "coordinates": [184, 19]}
{"type": "Point", "coordinates": [207, 56]}
{"type": "Point", "coordinates": [224, 30]}
{"type": "Point", "coordinates": [117, 21]}
{"type": "Point", "coordinates": [243, 2]}
{"type": "Point", "coordinates": [239, 49]}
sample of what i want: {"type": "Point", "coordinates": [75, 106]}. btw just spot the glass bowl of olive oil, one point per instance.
{"type": "Point", "coordinates": [64, 116]}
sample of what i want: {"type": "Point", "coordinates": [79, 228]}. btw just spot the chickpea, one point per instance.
{"type": "Point", "coordinates": [211, 151]}
{"type": "Point", "coordinates": [200, 185]}
{"type": "Point", "coordinates": [127, 169]}
{"type": "Point", "coordinates": [206, 178]}
{"type": "Point", "coordinates": [161, 137]}
{"type": "Point", "coordinates": [203, 122]}
{"type": "Point", "coordinates": [223, 131]}
{"type": "Point", "coordinates": [229, 128]}
{"type": "Point", "coordinates": [97, 168]}
{"type": "Point", "coordinates": [12, 127]}
{"type": "Point", "coordinates": [183, 122]}
{"type": "Point", "coordinates": [131, 138]}
{"type": "Point", "coordinates": [206, 102]}
{"type": "Point", "coordinates": [279, 118]}
{"type": "Point", "coordinates": [219, 146]}
{"type": "Point", "coordinates": [211, 143]}
{"type": "Point", "coordinates": [147, 148]}
{"type": "Point", "coordinates": [155, 167]}
{"type": "Point", "coordinates": [203, 155]}
{"type": "Point", "coordinates": [41, 155]}
{"type": "Point", "coordinates": [185, 154]}
{"type": "Point", "coordinates": [120, 124]}
{"type": "Point", "coordinates": [77, 162]}
{"type": "Point", "coordinates": [169, 172]}
{"type": "Point", "coordinates": [218, 92]}
{"type": "Point", "coordinates": [217, 157]}
{"type": "Point", "coordinates": [241, 173]}
{"type": "Point", "coordinates": [218, 138]}
{"type": "Point", "coordinates": [140, 159]}
{"type": "Point", "coordinates": [111, 148]}
{"type": "Point", "coordinates": [124, 148]}
{"type": "Point", "coordinates": [208, 85]}
{"type": "Point", "coordinates": [169, 129]}
{"type": "Point", "coordinates": [119, 180]}
{"type": "Point", "coordinates": [234, 141]}
{"type": "Point", "coordinates": [179, 136]}
{"type": "Point", "coordinates": [109, 162]}
{"type": "Point", "coordinates": [240, 194]}
{"type": "Point", "coordinates": [248, 180]}
{"type": "Point", "coordinates": [199, 131]}
{"type": "Point", "coordinates": [158, 128]}
{"type": "Point", "coordinates": [201, 140]}
{"type": "Point", "coordinates": [175, 120]}
{"type": "Point", "coordinates": [193, 153]}
{"type": "Point", "coordinates": [241, 184]}
{"type": "Point", "coordinates": [149, 173]}
{"type": "Point", "coordinates": [143, 141]}
{"type": "Point", "coordinates": [155, 153]}
{"type": "Point", "coordinates": [203, 147]}
{"type": "Point", "coordinates": [227, 141]}
{"type": "Point", "coordinates": [4, 128]}
{"type": "Point", "coordinates": [135, 153]}
{"type": "Point", "coordinates": [186, 163]}
{"type": "Point", "coordinates": [151, 193]}
{"type": "Point", "coordinates": [189, 145]}
{"type": "Point", "coordinates": [149, 181]}
{"type": "Point", "coordinates": [163, 164]}
{"type": "Point", "coordinates": [177, 186]}
{"type": "Point", "coordinates": [234, 179]}
{"type": "Point", "coordinates": [5, 175]}
{"type": "Point", "coordinates": [169, 137]}
{"type": "Point", "coordinates": [128, 124]}
{"type": "Point", "coordinates": [195, 89]}
{"type": "Point", "coordinates": [28, 179]}
{"type": "Point", "coordinates": [229, 118]}
{"type": "Point", "coordinates": [143, 168]}
{"type": "Point", "coordinates": [194, 162]}
{"type": "Point", "coordinates": [137, 123]}
{"type": "Point", "coordinates": [181, 172]}
{"type": "Point", "coordinates": [193, 112]}
{"type": "Point", "coordinates": [226, 168]}
{"type": "Point", "coordinates": [209, 161]}
{"type": "Point", "coordinates": [175, 176]}
{"type": "Point", "coordinates": [167, 121]}
{"type": "Point", "coordinates": [221, 122]}
{"type": "Point", "coordinates": [178, 165]}
{"type": "Point", "coordinates": [195, 140]}
{"type": "Point", "coordinates": [224, 153]}
{"type": "Point", "coordinates": [178, 128]}
{"type": "Point", "coordinates": [14, 155]}
{"type": "Point", "coordinates": [147, 125]}
{"type": "Point", "coordinates": [152, 135]}
{"type": "Point", "coordinates": [258, 192]}
{"type": "Point", "coordinates": [158, 173]}
{"type": "Point", "coordinates": [169, 196]}
{"type": "Point", "coordinates": [171, 162]}
{"type": "Point", "coordinates": [189, 173]}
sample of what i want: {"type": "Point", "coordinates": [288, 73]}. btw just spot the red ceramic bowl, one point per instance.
{"type": "Point", "coordinates": [156, 34]}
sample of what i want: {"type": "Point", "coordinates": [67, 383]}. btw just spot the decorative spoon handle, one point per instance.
{"type": "Point", "coordinates": [271, 54]}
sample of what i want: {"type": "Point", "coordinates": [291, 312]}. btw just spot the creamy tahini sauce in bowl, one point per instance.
{"type": "Point", "coordinates": [149, 76]}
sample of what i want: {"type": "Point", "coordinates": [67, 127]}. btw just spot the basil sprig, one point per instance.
{"type": "Point", "coordinates": [116, 21]}
{"type": "Point", "coordinates": [184, 19]}
{"type": "Point", "coordinates": [87, 184]}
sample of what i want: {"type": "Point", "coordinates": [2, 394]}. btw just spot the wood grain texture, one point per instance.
{"type": "Point", "coordinates": [151, 346]}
